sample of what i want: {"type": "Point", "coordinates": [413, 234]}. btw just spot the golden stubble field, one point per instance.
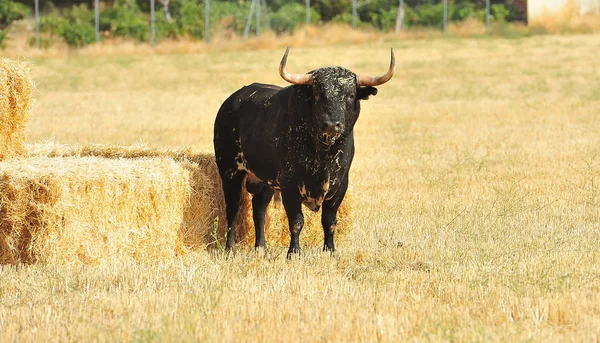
{"type": "Point", "coordinates": [476, 179]}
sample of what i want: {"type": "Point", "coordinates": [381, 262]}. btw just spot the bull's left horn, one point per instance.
{"type": "Point", "coordinates": [378, 80]}
{"type": "Point", "coordinates": [297, 79]}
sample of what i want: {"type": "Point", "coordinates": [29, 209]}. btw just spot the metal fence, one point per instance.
{"type": "Point", "coordinates": [254, 13]}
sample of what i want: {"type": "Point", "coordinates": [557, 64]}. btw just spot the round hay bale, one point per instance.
{"type": "Point", "coordinates": [16, 89]}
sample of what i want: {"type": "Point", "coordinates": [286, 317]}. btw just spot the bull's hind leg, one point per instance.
{"type": "Point", "coordinates": [232, 189]}
{"type": "Point", "coordinates": [261, 198]}
{"type": "Point", "coordinates": [329, 215]}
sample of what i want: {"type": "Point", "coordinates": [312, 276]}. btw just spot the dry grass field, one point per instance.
{"type": "Point", "coordinates": [476, 183]}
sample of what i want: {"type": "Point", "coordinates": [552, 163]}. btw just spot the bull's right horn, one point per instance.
{"type": "Point", "coordinates": [297, 79]}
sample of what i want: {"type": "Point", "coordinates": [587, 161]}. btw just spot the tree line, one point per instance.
{"type": "Point", "coordinates": [74, 21]}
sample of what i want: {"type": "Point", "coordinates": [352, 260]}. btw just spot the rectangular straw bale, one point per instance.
{"type": "Point", "coordinates": [204, 219]}
{"type": "Point", "coordinates": [56, 210]}
{"type": "Point", "coordinates": [16, 89]}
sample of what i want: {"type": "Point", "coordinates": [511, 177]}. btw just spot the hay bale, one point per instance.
{"type": "Point", "coordinates": [56, 210]}
{"type": "Point", "coordinates": [205, 224]}
{"type": "Point", "coordinates": [16, 88]}
{"type": "Point", "coordinates": [204, 219]}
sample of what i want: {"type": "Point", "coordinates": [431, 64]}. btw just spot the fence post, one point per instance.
{"type": "Point", "coordinates": [354, 14]}
{"type": "Point", "coordinates": [307, 12]}
{"type": "Point", "coordinates": [400, 16]}
{"type": "Point", "coordinates": [97, 19]}
{"type": "Point", "coordinates": [445, 15]}
{"type": "Point", "coordinates": [487, 14]}
{"type": "Point", "coordinates": [207, 20]}
{"type": "Point", "coordinates": [257, 17]}
{"type": "Point", "coordinates": [37, 24]}
{"type": "Point", "coordinates": [249, 21]}
{"type": "Point", "coordinates": [153, 33]}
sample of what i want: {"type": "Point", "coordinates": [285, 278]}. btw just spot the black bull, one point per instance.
{"type": "Point", "coordinates": [298, 139]}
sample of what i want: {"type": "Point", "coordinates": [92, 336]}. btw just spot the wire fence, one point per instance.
{"type": "Point", "coordinates": [257, 14]}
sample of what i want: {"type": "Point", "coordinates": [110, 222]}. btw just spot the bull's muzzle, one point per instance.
{"type": "Point", "coordinates": [332, 128]}
{"type": "Point", "coordinates": [330, 131]}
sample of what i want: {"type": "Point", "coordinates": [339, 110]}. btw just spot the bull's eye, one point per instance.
{"type": "Point", "coordinates": [350, 99]}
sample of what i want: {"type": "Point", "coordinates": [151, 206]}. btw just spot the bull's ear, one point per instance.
{"type": "Point", "coordinates": [362, 93]}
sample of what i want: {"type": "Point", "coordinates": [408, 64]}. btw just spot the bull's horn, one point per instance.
{"type": "Point", "coordinates": [297, 79]}
{"type": "Point", "coordinates": [378, 80]}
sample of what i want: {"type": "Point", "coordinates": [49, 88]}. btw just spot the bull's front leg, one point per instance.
{"type": "Point", "coordinates": [293, 209]}
{"type": "Point", "coordinates": [329, 221]}
{"type": "Point", "coordinates": [329, 215]}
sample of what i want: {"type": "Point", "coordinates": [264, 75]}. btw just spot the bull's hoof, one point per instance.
{"type": "Point", "coordinates": [262, 251]}
{"type": "Point", "coordinates": [260, 244]}
{"type": "Point", "coordinates": [293, 251]}
{"type": "Point", "coordinates": [329, 248]}
{"type": "Point", "coordinates": [229, 251]}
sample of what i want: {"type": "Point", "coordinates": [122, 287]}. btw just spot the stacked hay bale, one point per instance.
{"type": "Point", "coordinates": [62, 203]}
{"type": "Point", "coordinates": [204, 221]}
{"type": "Point", "coordinates": [90, 209]}
{"type": "Point", "coordinates": [16, 88]}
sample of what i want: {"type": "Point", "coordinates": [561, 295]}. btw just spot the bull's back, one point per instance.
{"type": "Point", "coordinates": [242, 121]}
{"type": "Point", "coordinates": [247, 102]}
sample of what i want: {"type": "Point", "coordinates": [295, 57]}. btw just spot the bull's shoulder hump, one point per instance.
{"type": "Point", "coordinates": [258, 93]}
{"type": "Point", "coordinates": [265, 86]}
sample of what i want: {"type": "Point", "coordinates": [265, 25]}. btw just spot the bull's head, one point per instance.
{"type": "Point", "coordinates": [336, 95]}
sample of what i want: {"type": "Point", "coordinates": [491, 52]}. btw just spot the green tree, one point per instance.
{"type": "Point", "coordinates": [126, 19]}
{"type": "Point", "coordinates": [10, 11]}
{"type": "Point", "coordinates": [75, 25]}
{"type": "Point", "coordinates": [289, 16]}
